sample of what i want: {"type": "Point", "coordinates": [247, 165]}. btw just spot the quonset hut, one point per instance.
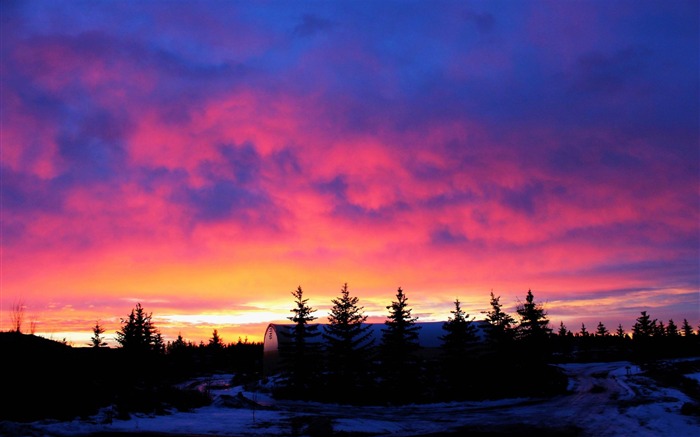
{"type": "Point", "coordinates": [428, 337]}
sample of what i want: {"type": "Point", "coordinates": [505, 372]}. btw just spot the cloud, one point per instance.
{"type": "Point", "coordinates": [164, 152]}
{"type": "Point", "coordinates": [311, 25]}
{"type": "Point", "coordinates": [484, 21]}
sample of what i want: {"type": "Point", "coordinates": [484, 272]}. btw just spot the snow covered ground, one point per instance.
{"type": "Point", "coordinates": [606, 399]}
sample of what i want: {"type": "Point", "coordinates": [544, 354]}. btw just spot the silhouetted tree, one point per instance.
{"type": "Point", "coordinates": [398, 348]}
{"type": "Point", "coordinates": [97, 340]}
{"type": "Point", "coordinates": [644, 330]}
{"type": "Point", "coordinates": [215, 342]}
{"type": "Point", "coordinates": [601, 331]}
{"type": "Point", "coordinates": [620, 332]}
{"type": "Point", "coordinates": [660, 329]}
{"type": "Point", "coordinates": [460, 334]}
{"type": "Point", "coordinates": [644, 327]}
{"type": "Point", "coordinates": [686, 328]}
{"type": "Point", "coordinates": [457, 343]}
{"type": "Point", "coordinates": [17, 316]}
{"type": "Point", "coordinates": [348, 343]}
{"type": "Point", "coordinates": [138, 334]}
{"type": "Point", "coordinates": [583, 332]}
{"type": "Point", "coordinates": [562, 330]}
{"type": "Point", "coordinates": [178, 345]}
{"type": "Point", "coordinates": [300, 355]}
{"type": "Point", "coordinates": [501, 324]}
{"type": "Point", "coordinates": [400, 337]}
{"type": "Point", "coordinates": [533, 320]}
{"type": "Point", "coordinates": [672, 329]}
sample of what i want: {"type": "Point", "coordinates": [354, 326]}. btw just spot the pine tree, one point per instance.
{"type": "Point", "coordinates": [620, 332]}
{"type": "Point", "coordinates": [178, 345]}
{"type": "Point", "coordinates": [97, 340]}
{"type": "Point", "coordinates": [533, 320]}
{"type": "Point", "coordinates": [562, 330]}
{"type": "Point", "coordinates": [672, 329]}
{"type": "Point", "coordinates": [460, 334]}
{"type": "Point", "coordinates": [300, 353]}
{"type": "Point", "coordinates": [215, 342]}
{"type": "Point", "coordinates": [660, 329]}
{"type": "Point", "coordinates": [400, 337]}
{"type": "Point", "coordinates": [644, 327]}
{"type": "Point", "coordinates": [583, 332]}
{"type": "Point", "coordinates": [501, 324]}
{"type": "Point", "coordinates": [601, 331]}
{"type": "Point", "coordinates": [687, 329]}
{"type": "Point", "coordinates": [138, 334]}
{"type": "Point", "coordinates": [348, 342]}
{"type": "Point", "coordinates": [398, 349]}
{"type": "Point", "coordinates": [457, 343]}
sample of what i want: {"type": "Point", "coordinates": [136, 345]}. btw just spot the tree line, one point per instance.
{"type": "Point", "coordinates": [505, 354]}
{"type": "Point", "coordinates": [341, 361]}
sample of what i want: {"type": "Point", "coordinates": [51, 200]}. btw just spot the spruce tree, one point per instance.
{"type": "Point", "coordinates": [460, 334]}
{"type": "Point", "coordinates": [562, 330]}
{"type": "Point", "coordinates": [620, 332]}
{"type": "Point", "coordinates": [348, 343]}
{"type": "Point", "coordinates": [300, 353]}
{"type": "Point", "coordinates": [644, 327]}
{"type": "Point", "coordinates": [601, 331]}
{"type": "Point", "coordinates": [583, 332]}
{"type": "Point", "coordinates": [533, 321]}
{"type": "Point", "coordinates": [97, 340]}
{"type": "Point", "coordinates": [457, 343]}
{"type": "Point", "coordinates": [501, 324]}
{"type": "Point", "coordinates": [215, 342]}
{"type": "Point", "coordinates": [178, 345]}
{"type": "Point", "coordinates": [687, 329]}
{"type": "Point", "coordinates": [398, 349]}
{"type": "Point", "coordinates": [138, 334]}
{"type": "Point", "coordinates": [400, 337]}
{"type": "Point", "coordinates": [660, 329]}
{"type": "Point", "coordinates": [672, 329]}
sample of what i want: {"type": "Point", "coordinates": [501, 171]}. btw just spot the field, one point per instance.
{"type": "Point", "coordinates": [604, 399]}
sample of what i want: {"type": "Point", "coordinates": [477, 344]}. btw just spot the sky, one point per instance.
{"type": "Point", "coordinates": [207, 158]}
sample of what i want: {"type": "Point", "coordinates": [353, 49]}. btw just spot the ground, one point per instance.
{"type": "Point", "coordinates": [605, 399]}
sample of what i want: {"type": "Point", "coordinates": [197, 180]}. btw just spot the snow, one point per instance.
{"type": "Point", "coordinates": [695, 376]}
{"type": "Point", "coordinates": [625, 402]}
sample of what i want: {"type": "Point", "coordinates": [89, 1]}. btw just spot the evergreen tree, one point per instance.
{"type": "Point", "coordinates": [300, 353]}
{"type": "Point", "coordinates": [97, 340]}
{"type": "Point", "coordinates": [348, 343]}
{"type": "Point", "coordinates": [501, 324]}
{"type": "Point", "coordinates": [583, 332]}
{"type": "Point", "coordinates": [138, 334]}
{"type": "Point", "coordinates": [400, 337]}
{"type": "Point", "coordinates": [460, 334]}
{"type": "Point", "coordinates": [672, 329]}
{"type": "Point", "coordinates": [215, 342]}
{"type": "Point", "coordinates": [602, 331]}
{"type": "Point", "coordinates": [660, 329]}
{"type": "Point", "coordinates": [533, 320]}
{"type": "Point", "coordinates": [398, 350]}
{"type": "Point", "coordinates": [686, 328]}
{"type": "Point", "coordinates": [620, 332]}
{"type": "Point", "coordinates": [178, 345]}
{"type": "Point", "coordinates": [457, 343]}
{"type": "Point", "coordinates": [644, 327]}
{"type": "Point", "coordinates": [562, 330]}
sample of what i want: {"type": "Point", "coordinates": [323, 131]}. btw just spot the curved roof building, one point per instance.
{"type": "Point", "coordinates": [428, 337]}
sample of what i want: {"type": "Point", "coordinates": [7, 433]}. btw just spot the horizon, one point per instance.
{"type": "Point", "coordinates": [227, 333]}
{"type": "Point", "coordinates": [206, 159]}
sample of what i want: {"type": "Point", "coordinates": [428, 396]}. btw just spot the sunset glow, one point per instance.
{"type": "Point", "coordinates": [206, 159]}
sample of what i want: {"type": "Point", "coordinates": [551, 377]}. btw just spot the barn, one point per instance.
{"type": "Point", "coordinates": [428, 337]}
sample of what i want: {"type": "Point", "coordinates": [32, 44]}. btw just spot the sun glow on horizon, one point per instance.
{"type": "Point", "coordinates": [206, 174]}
